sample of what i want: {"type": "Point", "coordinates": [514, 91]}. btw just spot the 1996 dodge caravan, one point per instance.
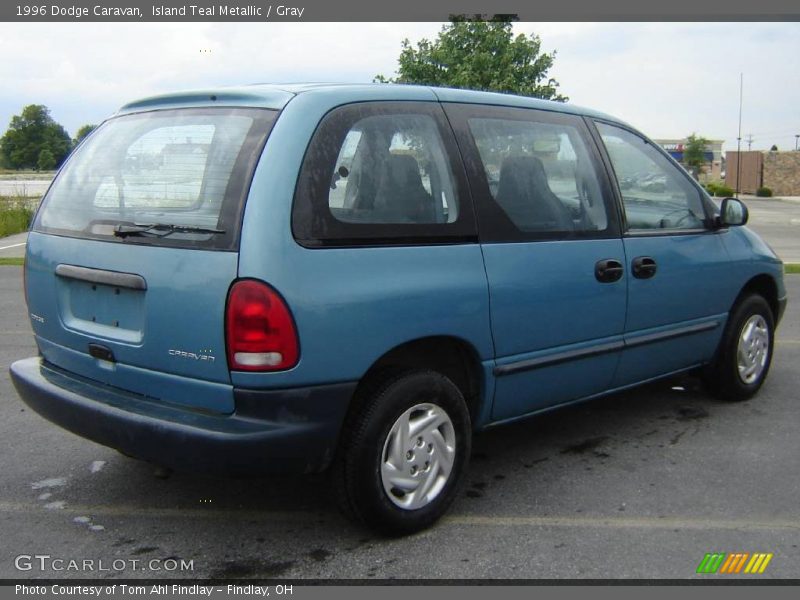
{"type": "Point", "coordinates": [278, 278]}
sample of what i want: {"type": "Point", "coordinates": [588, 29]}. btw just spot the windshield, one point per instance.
{"type": "Point", "coordinates": [186, 169]}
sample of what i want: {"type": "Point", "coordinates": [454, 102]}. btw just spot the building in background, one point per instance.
{"type": "Point", "coordinates": [713, 152]}
{"type": "Point", "coordinates": [778, 171]}
{"type": "Point", "coordinates": [749, 172]}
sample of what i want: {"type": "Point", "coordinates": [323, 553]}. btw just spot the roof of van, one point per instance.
{"type": "Point", "coordinates": [276, 96]}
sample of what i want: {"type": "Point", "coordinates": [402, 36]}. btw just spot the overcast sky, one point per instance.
{"type": "Point", "coordinates": [668, 79]}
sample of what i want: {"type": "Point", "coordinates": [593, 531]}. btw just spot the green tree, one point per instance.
{"type": "Point", "coordinates": [479, 55]}
{"type": "Point", "coordinates": [29, 134]}
{"type": "Point", "coordinates": [83, 132]}
{"type": "Point", "coordinates": [694, 154]}
{"type": "Point", "coordinates": [46, 160]}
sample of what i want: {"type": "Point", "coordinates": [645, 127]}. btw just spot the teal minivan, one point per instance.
{"type": "Point", "coordinates": [360, 277]}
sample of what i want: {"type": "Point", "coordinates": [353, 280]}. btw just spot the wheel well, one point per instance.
{"type": "Point", "coordinates": [765, 286]}
{"type": "Point", "coordinates": [450, 356]}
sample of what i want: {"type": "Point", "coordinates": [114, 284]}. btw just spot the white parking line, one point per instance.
{"type": "Point", "coordinates": [13, 246]}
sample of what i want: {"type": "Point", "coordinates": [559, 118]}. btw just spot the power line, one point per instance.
{"type": "Point", "coordinates": [771, 132]}
{"type": "Point", "coordinates": [778, 137]}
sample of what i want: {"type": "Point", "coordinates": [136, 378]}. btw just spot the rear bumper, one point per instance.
{"type": "Point", "coordinates": [271, 431]}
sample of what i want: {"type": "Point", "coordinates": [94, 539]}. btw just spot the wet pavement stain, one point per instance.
{"type": "Point", "coordinates": [677, 437]}
{"type": "Point", "coordinates": [584, 446]}
{"type": "Point", "coordinates": [320, 554]}
{"type": "Point", "coordinates": [245, 569]}
{"type": "Point", "coordinates": [691, 413]}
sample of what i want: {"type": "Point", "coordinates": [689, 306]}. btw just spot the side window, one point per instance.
{"type": "Point", "coordinates": [392, 169]}
{"type": "Point", "coordinates": [655, 193]}
{"type": "Point", "coordinates": [382, 173]}
{"type": "Point", "coordinates": [540, 174]}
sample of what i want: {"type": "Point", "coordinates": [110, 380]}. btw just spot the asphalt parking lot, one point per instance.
{"type": "Point", "coordinates": [778, 222]}
{"type": "Point", "coordinates": [637, 485]}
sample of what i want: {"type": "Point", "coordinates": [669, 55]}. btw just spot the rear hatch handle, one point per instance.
{"type": "Point", "coordinates": [113, 278]}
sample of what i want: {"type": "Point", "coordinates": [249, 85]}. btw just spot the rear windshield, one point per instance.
{"type": "Point", "coordinates": [172, 177]}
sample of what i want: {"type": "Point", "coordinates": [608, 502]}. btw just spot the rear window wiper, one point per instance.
{"type": "Point", "coordinates": [159, 229]}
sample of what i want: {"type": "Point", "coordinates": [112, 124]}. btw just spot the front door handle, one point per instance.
{"type": "Point", "coordinates": [608, 270]}
{"type": "Point", "coordinates": [643, 267]}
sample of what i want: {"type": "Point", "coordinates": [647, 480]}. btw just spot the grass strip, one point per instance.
{"type": "Point", "coordinates": [12, 261]}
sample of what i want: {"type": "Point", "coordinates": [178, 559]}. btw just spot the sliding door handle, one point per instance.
{"type": "Point", "coordinates": [643, 267]}
{"type": "Point", "coordinates": [608, 270]}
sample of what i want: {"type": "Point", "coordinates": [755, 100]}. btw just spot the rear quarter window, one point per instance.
{"type": "Point", "coordinates": [382, 173]}
{"type": "Point", "coordinates": [189, 169]}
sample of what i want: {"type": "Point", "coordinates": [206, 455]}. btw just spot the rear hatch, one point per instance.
{"type": "Point", "coordinates": [135, 246]}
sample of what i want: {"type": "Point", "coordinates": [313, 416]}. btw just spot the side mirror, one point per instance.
{"type": "Point", "coordinates": [732, 213]}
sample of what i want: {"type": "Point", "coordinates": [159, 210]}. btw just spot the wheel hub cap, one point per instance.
{"type": "Point", "coordinates": [418, 456]}
{"type": "Point", "coordinates": [753, 349]}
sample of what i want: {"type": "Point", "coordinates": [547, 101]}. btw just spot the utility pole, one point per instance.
{"type": "Point", "coordinates": [739, 139]}
{"type": "Point", "coordinates": [796, 137]}
{"type": "Point", "coordinates": [749, 141]}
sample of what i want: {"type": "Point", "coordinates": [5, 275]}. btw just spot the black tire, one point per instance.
{"type": "Point", "coordinates": [722, 377]}
{"type": "Point", "coordinates": [357, 470]}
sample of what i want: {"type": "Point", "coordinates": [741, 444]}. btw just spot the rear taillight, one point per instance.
{"type": "Point", "coordinates": [259, 329]}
